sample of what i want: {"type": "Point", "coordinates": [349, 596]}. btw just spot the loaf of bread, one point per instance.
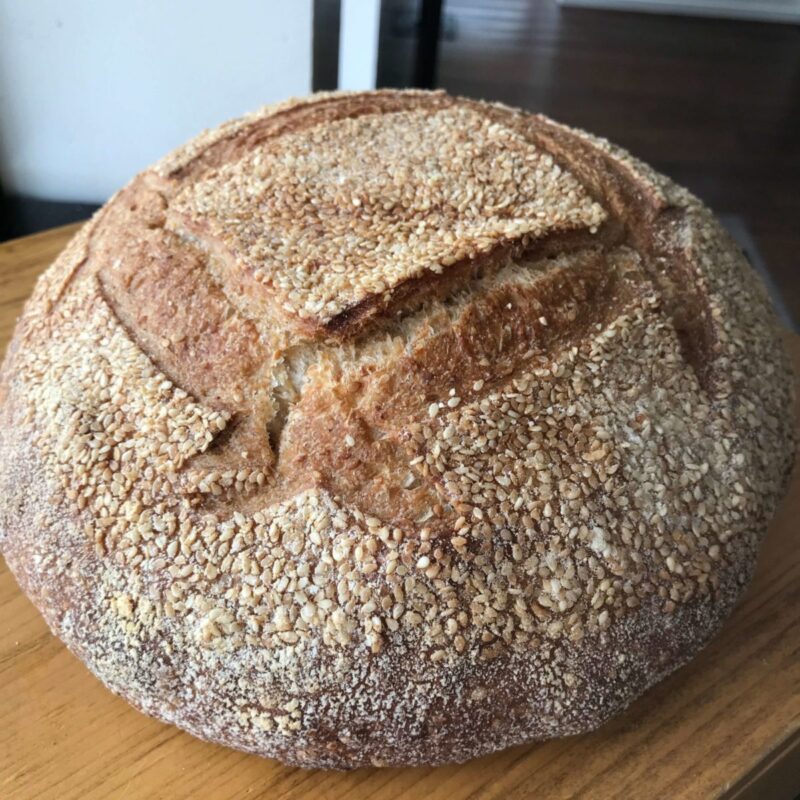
{"type": "Point", "coordinates": [392, 428]}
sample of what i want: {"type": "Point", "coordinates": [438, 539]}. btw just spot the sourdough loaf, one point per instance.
{"type": "Point", "coordinates": [391, 428]}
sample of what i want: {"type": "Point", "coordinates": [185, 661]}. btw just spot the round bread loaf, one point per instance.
{"type": "Point", "coordinates": [392, 428]}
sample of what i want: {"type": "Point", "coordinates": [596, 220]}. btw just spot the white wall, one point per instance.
{"type": "Point", "coordinates": [769, 10]}
{"type": "Point", "coordinates": [358, 43]}
{"type": "Point", "coordinates": [92, 91]}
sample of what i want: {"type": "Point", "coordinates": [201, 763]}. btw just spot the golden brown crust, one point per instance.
{"type": "Point", "coordinates": [472, 461]}
{"type": "Point", "coordinates": [325, 225]}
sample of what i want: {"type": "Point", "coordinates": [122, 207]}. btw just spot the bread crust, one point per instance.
{"type": "Point", "coordinates": [414, 509]}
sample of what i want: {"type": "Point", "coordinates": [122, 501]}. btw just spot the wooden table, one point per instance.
{"type": "Point", "coordinates": [728, 725]}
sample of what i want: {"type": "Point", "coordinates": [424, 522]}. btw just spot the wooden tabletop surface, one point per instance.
{"type": "Point", "coordinates": [727, 725]}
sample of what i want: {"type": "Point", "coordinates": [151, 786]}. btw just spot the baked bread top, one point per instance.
{"type": "Point", "coordinates": [391, 428]}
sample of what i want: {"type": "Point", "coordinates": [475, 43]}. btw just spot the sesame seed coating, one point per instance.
{"type": "Point", "coordinates": [498, 512]}
{"type": "Point", "coordinates": [330, 216]}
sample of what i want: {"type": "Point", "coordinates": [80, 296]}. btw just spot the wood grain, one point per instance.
{"type": "Point", "coordinates": [728, 725]}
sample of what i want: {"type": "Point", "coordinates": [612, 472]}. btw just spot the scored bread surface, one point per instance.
{"type": "Point", "coordinates": [392, 428]}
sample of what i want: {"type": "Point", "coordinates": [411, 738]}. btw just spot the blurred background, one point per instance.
{"type": "Point", "coordinates": [707, 91]}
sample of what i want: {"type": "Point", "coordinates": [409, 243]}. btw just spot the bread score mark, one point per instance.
{"type": "Point", "coordinates": [329, 226]}
{"type": "Point", "coordinates": [505, 326]}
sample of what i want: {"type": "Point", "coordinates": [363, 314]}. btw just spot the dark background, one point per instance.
{"type": "Point", "coordinates": [714, 103]}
